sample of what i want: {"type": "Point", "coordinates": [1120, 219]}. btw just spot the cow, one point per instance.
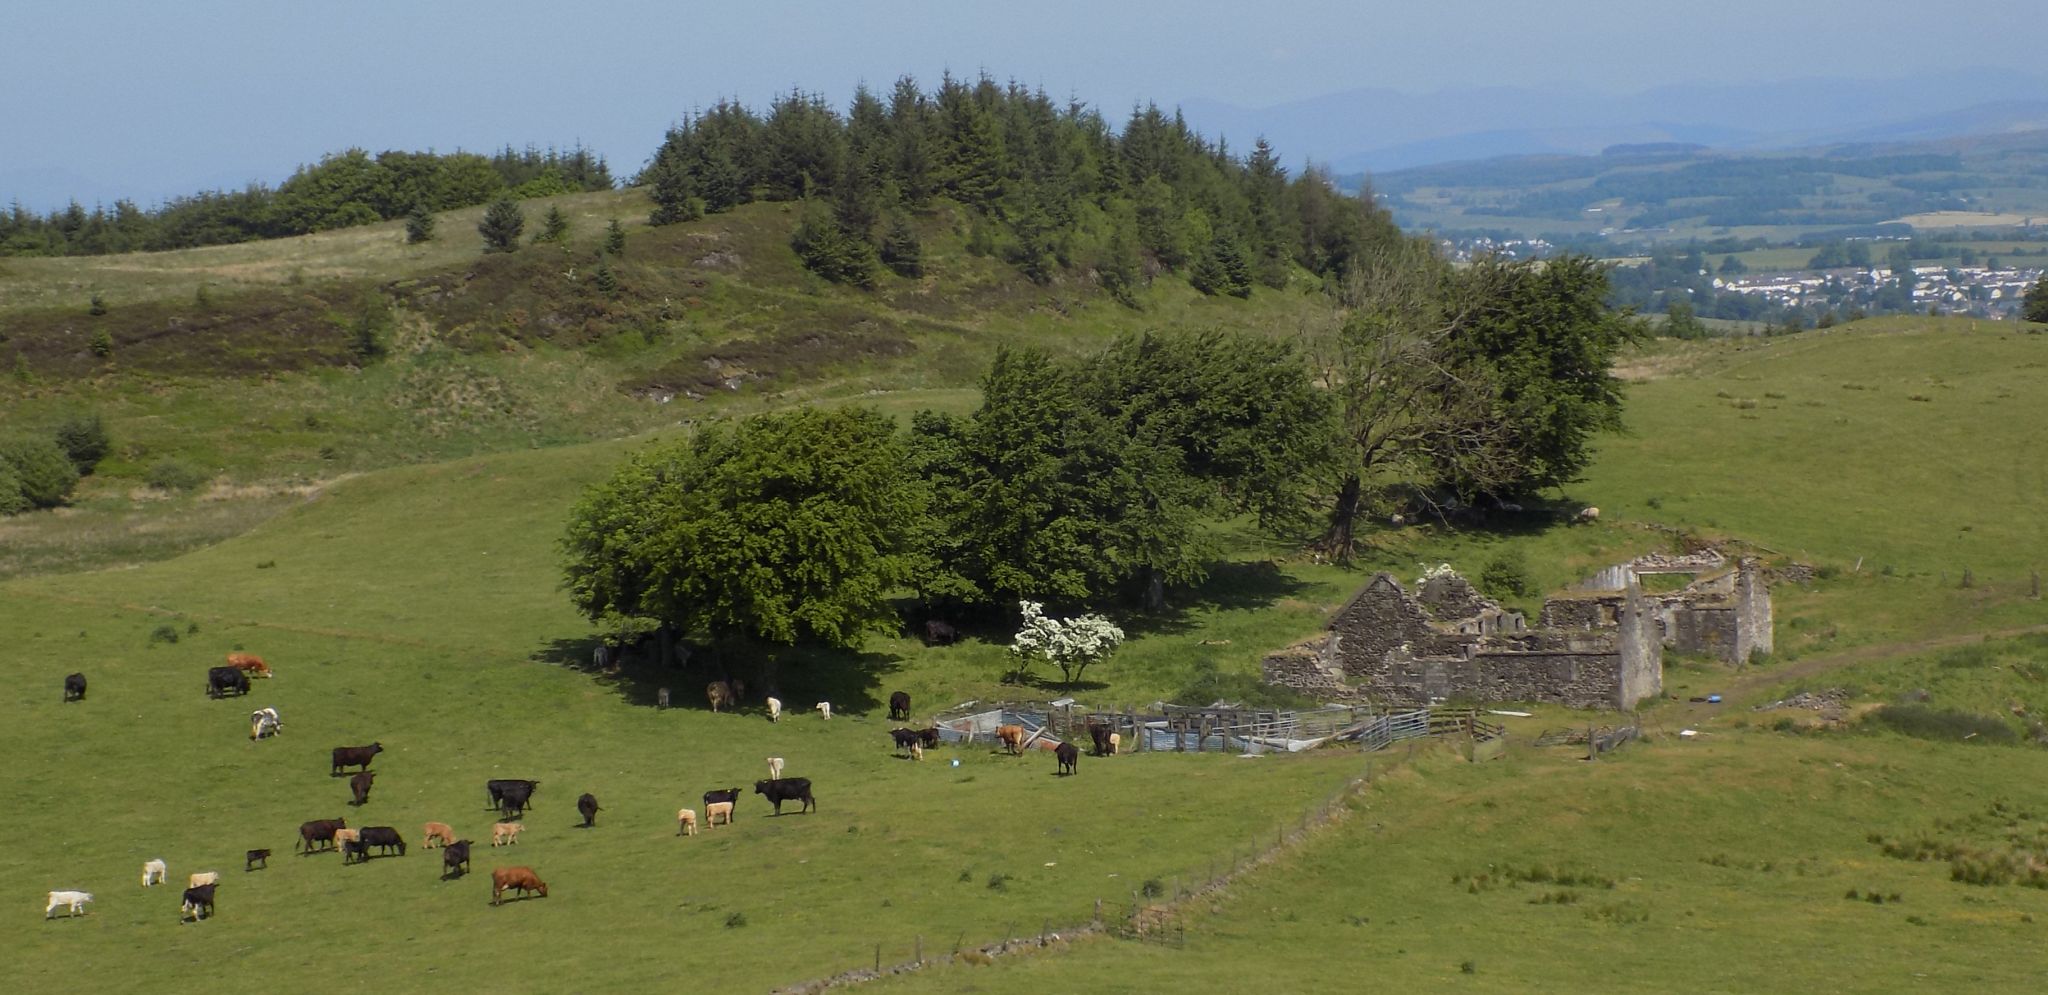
{"type": "Point", "coordinates": [74, 687]}
{"type": "Point", "coordinates": [825, 709]}
{"type": "Point", "coordinates": [588, 806]}
{"type": "Point", "coordinates": [1069, 759]}
{"type": "Point", "coordinates": [505, 833]}
{"type": "Point", "coordinates": [774, 767]}
{"type": "Point", "coordinates": [153, 872]}
{"type": "Point", "coordinates": [221, 680]}
{"type": "Point", "coordinates": [1116, 741]}
{"type": "Point", "coordinates": [72, 901]}
{"type": "Point", "coordinates": [358, 757]}
{"type": "Point", "coordinates": [1012, 738]}
{"type": "Point", "coordinates": [384, 838]}
{"type": "Point", "coordinates": [1586, 516]}
{"type": "Point", "coordinates": [717, 812]}
{"type": "Point", "coordinates": [1100, 734]}
{"type": "Point", "coordinates": [721, 695]}
{"type": "Point", "coordinates": [198, 903]}
{"type": "Point", "coordinates": [203, 877]}
{"type": "Point", "coordinates": [455, 860]}
{"type": "Point", "coordinates": [319, 831]}
{"type": "Point", "coordinates": [938, 633]}
{"type": "Point", "coordinates": [354, 851]}
{"type": "Point", "coordinates": [249, 663]}
{"type": "Point", "coordinates": [917, 751]}
{"type": "Point", "coordinates": [906, 738]}
{"type": "Point", "coordinates": [899, 706]}
{"type": "Point", "coordinates": [264, 722]}
{"type": "Point", "coordinates": [519, 879]}
{"type": "Point", "coordinates": [774, 709]}
{"type": "Point", "coordinates": [438, 832]}
{"type": "Point", "coordinates": [359, 786]}
{"type": "Point", "coordinates": [730, 795]}
{"type": "Point", "coordinates": [686, 822]}
{"type": "Point", "coordinates": [788, 789]}
{"type": "Point", "coordinates": [661, 698]}
{"type": "Point", "coordinates": [929, 737]}
{"type": "Point", "coordinates": [255, 857]}
{"type": "Point", "coordinates": [511, 796]}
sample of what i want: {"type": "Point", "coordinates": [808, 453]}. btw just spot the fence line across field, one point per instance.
{"type": "Point", "coordinates": [1183, 729]}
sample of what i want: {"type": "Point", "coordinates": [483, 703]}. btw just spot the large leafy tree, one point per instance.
{"type": "Point", "coordinates": [783, 528]}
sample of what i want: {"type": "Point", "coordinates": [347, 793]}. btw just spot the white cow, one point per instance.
{"type": "Point", "coordinates": [203, 877]}
{"type": "Point", "coordinates": [825, 709]}
{"type": "Point", "coordinates": [153, 872]}
{"type": "Point", "coordinates": [774, 768]}
{"type": "Point", "coordinates": [264, 722]}
{"type": "Point", "coordinates": [775, 709]}
{"type": "Point", "coordinates": [75, 900]}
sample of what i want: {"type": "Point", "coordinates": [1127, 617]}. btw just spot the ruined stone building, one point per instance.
{"type": "Point", "coordinates": [1598, 646]}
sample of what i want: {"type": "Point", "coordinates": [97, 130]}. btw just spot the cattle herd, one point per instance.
{"type": "Point", "coordinates": [509, 797]}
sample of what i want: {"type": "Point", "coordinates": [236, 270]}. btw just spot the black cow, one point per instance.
{"type": "Point", "coordinates": [899, 706]}
{"type": "Point", "coordinates": [359, 786]}
{"type": "Point", "coordinates": [354, 851]}
{"type": "Point", "coordinates": [1100, 734]}
{"type": "Point", "coordinates": [1069, 757]}
{"type": "Point", "coordinates": [319, 831]}
{"type": "Point", "coordinates": [929, 737]}
{"type": "Point", "coordinates": [74, 687]}
{"type": "Point", "coordinates": [724, 795]}
{"type": "Point", "coordinates": [198, 901]}
{"type": "Point", "coordinates": [588, 806]}
{"type": "Point", "coordinates": [455, 859]}
{"type": "Point", "coordinates": [221, 680]}
{"type": "Point", "coordinates": [358, 757]}
{"type": "Point", "coordinates": [906, 738]}
{"type": "Point", "coordinates": [256, 857]}
{"type": "Point", "coordinates": [937, 633]}
{"type": "Point", "coordinates": [509, 796]}
{"type": "Point", "coordinates": [788, 789]}
{"type": "Point", "coordinates": [383, 838]}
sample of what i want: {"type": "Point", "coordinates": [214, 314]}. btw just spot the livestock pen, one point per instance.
{"type": "Point", "coordinates": [1216, 728]}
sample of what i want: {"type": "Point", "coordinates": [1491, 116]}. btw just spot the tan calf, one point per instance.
{"type": "Point", "coordinates": [438, 832]}
{"type": "Point", "coordinates": [686, 822]}
{"type": "Point", "coordinates": [505, 833]}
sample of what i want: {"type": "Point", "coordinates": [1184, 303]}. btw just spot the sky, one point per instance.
{"type": "Point", "coordinates": [150, 98]}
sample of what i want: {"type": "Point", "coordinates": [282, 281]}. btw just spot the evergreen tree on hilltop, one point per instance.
{"type": "Point", "coordinates": [419, 224]}
{"type": "Point", "coordinates": [673, 191]}
{"type": "Point", "coordinates": [901, 250]}
{"type": "Point", "coordinates": [502, 224]}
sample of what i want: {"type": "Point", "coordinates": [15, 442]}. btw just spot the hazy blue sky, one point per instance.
{"type": "Point", "coordinates": [149, 97]}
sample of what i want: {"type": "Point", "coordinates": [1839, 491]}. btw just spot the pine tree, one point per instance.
{"type": "Point", "coordinates": [607, 281]}
{"type": "Point", "coordinates": [419, 224]}
{"type": "Point", "coordinates": [901, 251]}
{"type": "Point", "coordinates": [673, 191]}
{"type": "Point", "coordinates": [1119, 270]}
{"type": "Point", "coordinates": [614, 239]}
{"type": "Point", "coordinates": [554, 227]}
{"type": "Point", "coordinates": [503, 222]}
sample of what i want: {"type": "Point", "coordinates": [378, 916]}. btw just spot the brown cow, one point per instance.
{"type": "Point", "coordinates": [520, 879]}
{"type": "Point", "coordinates": [1069, 758]}
{"type": "Point", "coordinates": [359, 785]}
{"type": "Point", "coordinates": [1012, 738]}
{"type": "Point", "coordinates": [438, 832]}
{"type": "Point", "coordinates": [721, 695]}
{"type": "Point", "coordinates": [249, 663]}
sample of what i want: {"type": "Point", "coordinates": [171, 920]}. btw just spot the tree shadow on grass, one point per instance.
{"type": "Point", "coordinates": [798, 675]}
{"type": "Point", "coordinates": [1236, 585]}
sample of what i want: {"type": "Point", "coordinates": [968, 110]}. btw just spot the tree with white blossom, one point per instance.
{"type": "Point", "coordinates": [1070, 644]}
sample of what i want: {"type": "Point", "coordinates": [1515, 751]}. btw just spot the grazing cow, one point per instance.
{"type": "Point", "coordinates": [929, 737]}
{"type": "Point", "coordinates": [345, 839]}
{"type": "Point", "coordinates": [938, 633]}
{"type": "Point", "coordinates": [354, 851]}
{"type": "Point", "coordinates": [222, 680]}
{"type": "Point", "coordinates": [686, 822]}
{"type": "Point", "coordinates": [511, 797]}
{"type": "Point", "coordinates": [774, 767]}
{"type": "Point", "coordinates": [203, 877]}
{"type": "Point", "coordinates": [255, 857]}
{"type": "Point", "coordinates": [1069, 759]}
{"type": "Point", "coordinates": [438, 832]}
{"type": "Point", "coordinates": [788, 789]}
{"type": "Point", "coordinates": [899, 706]}
{"type": "Point", "coordinates": [917, 751]}
{"type": "Point", "coordinates": [72, 901]}
{"type": "Point", "coordinates": [825, 709]}
{"type": "Point", "coordinates": [198, 903]}
{"type": "Point", "coordinates": [358, 757]}
{"type": "Point", "coordinates": [1586, 516]}
{"type": "Point", "coordinates": [588, 806]}
{"type": "Point", "coordinates": [1100, 734]}
{"type": "Point", "coordinates": [319, 831]}
{"type": "Point", "coordinates": [721, 695]}
{"type": "Point", "coordinates": [505, 833]}
{"type": "Point", "coordinates": [249, 663]}
{"type": "Point", "coordinates": [74, 687]}
{"type": "Point", "coordinates": [264, 722]}
{"type": "Point", "coordinates": [661, 698]}
{"type": "Point", "coordinates": [717, 812]}
{"type": "Point", "coordinates": [153, 872]}
{"type": "Point", "coordinates": [717, 795]}
{"type": "Point", "coordinates": [1116, 743]}
{"type": "Point", "coordinates": [774, 709]}
{"type": "Point", "coordinates": [455, 860]}
{"type": "Point", "coordinates": [359, 786]}
{"type": "Point", "coordinates": [383, 838]}
{"type": "Point", "coordinates": [1012, 738]}
{"type": "Point", "coordinates": [519, 879]}
{"type": "Point", "coordinates": [906, 738]}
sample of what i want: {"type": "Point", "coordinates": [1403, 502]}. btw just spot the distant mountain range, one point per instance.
{"type": "Point", "coordinates": [1379, 130]}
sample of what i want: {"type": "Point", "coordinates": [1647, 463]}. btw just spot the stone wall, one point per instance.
{"type": "Point", "coordinates": [1301, 668]}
